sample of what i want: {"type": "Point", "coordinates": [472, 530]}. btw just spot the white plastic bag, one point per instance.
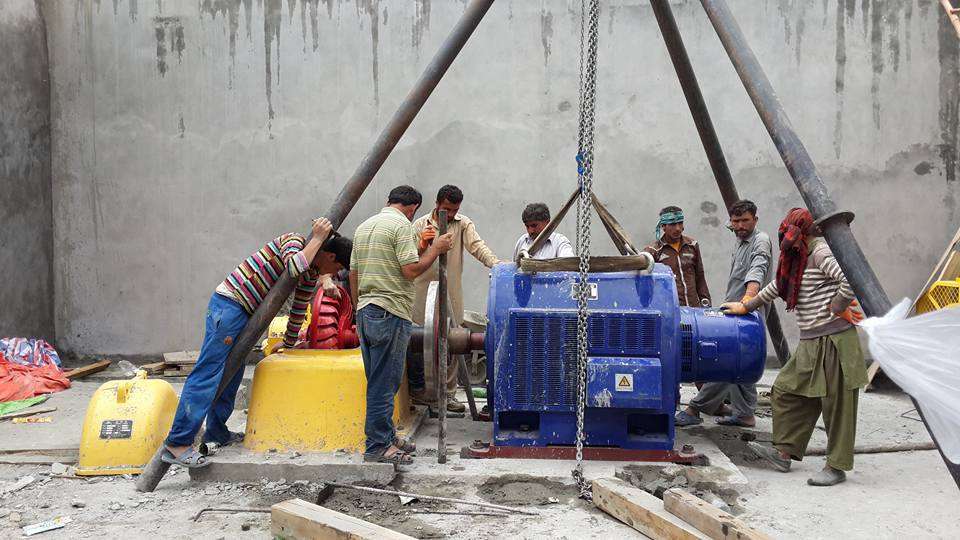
{"type": "Point", "coordinates": [922, 355]}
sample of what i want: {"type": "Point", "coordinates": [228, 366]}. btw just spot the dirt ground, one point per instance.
{"type": "Point", "coordinates": [901, 495]}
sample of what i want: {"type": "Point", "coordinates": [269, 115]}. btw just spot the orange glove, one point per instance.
{"type": "Point", "coordinates": [733, 308]}
{"type": "Point", "coordinates": [426, 237]}
{"type": "Point", "coordinates": [851, 315]}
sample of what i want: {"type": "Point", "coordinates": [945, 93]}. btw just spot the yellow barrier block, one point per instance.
{"type": "Point", "coordinates": [313, 401]}
{"type": "Point", "coordinates": [126, 422]}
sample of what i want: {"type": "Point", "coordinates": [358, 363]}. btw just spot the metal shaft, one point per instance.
{"type": "Point", "coordinates": [709, 138]}
{"type": "Point", "coordinates": [364, 174]}
{"type": "Point", "coordinates": [804, 173]}
{"type": "Point", "coordinates": [442, 346]}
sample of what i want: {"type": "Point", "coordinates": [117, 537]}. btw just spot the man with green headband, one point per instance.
{"type": "Point", "coordinates": [682, 254]}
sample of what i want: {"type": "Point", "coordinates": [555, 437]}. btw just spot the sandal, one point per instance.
{"type": "Point", "coordinates": [190, 458]}
{"type": "Point", "coordinates": [397, 458]}
{"type": "Point", "coordinates": [734, 421]}
{"type": "Point", "coordinates": [209, 448]}
{"type": "Point", "coordinates": [684, 419]}
{"type": "Point", "coordinates": [404, 445]}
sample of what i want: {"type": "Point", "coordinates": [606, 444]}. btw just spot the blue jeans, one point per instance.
{"type": "Point", "coordinates": [225, 319]}
{"type": "Point", "coordinates": [415, 374]}
{"type": "Point", "coordinates": [383, 341]}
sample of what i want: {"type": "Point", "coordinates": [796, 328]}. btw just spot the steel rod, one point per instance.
{"type": "Point", "coordinates": [443, 313]}
{"type": "Point", "coordinates": [345, 201]}
{"type": "Point", "coordinates": [364, 174]}
{"type": "Point", "coordinates": [836, 228]}
{"type": "Point", "coordinates": [708, 137]}
{"type": "Point", "coordinates": [435, 498]}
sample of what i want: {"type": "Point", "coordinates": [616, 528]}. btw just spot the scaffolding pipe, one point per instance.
{"type": "Point", "coordinates": [344, 202]}
{"type": "Point", "coordinates": [835, 224]}
{"type": "Point", "coordinates": [711, 143]}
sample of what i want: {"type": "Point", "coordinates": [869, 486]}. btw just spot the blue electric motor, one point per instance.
{"type": "Point", "coordinates": [641, 346]}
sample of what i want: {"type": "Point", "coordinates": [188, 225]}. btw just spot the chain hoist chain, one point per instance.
{"type": "Point", "coordinates": [590, 23]}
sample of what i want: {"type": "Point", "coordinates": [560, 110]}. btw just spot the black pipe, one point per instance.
{"type": "Point", "coordinates": [708, 136]}
{"type": "Point", "coordinates": [364, 174]}
{"type": "Point", "coordinates": [835, 225]}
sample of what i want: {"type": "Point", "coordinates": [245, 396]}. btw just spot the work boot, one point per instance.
{"type": "Point", "coordinates": [421, 397]}
{"type": "Point", "coordinates": [827, 477]}
{"type": "Point", "coordinates": [455, 406]}
{"type": "Point", "coordinates": [771, 455]}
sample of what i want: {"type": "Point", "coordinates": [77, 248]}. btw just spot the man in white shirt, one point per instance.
{"type": "Point", "coordinates": [535, 217]}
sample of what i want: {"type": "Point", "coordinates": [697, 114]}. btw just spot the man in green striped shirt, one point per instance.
{"type": "Point", "coordinates": [384, 264]}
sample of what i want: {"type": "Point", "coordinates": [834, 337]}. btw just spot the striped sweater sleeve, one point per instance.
{"type": "Point", "coordinates": [768, 294]}
{"type": "Point", "coordinates": [291, 251]}
{"type": "Point", "coordinates": [302, 295]}
{"type": "Point", "coordinates": [826, 262]}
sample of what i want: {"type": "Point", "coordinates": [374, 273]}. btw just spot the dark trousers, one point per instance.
{"type": "Point", "coordinates": [225, 319]}
{"type": "Point", "coordinates": [383, 342]}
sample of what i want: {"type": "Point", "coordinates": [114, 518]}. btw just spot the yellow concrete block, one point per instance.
{"type": "Point", "coordinates": [313, 401]}
{"type": "Point", "coordinates": [126, 422]}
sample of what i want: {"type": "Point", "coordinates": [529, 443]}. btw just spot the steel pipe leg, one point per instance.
{"type": "Point", "coordinates": [835, 225]}
{"type": "Point", "coordinates": [709, 139]}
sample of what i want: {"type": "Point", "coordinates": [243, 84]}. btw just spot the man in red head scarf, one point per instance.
{"type": "Point", "coordinates": [827, 370]}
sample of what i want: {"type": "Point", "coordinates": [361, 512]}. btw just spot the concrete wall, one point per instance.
{"type": "Point", "coordinates": [187, 133]}
{"type": "Point", "coordinates": [26, 228]}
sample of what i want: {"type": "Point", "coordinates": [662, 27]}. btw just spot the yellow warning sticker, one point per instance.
{"type": "Point", "coordinates": [624, 382]}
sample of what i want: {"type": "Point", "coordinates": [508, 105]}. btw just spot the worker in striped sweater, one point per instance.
{"type": "Point", "coordinates": [231, 305]}
{"type": "Point", "coordinates": [827, 369]}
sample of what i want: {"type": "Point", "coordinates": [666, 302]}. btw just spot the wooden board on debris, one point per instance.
{"type": "Point", "coordinates": [180, 357]}
{"type": "Point", "coordinates": [297, 519]}
{"type": "Point", "coordinates": [177, 371]}
{"type": "Point", "coordinates": [87, 370]}
{"type": "Point", "coordinates": [707, 518]}
{"type": "Point", "coordinates": [641, 510]}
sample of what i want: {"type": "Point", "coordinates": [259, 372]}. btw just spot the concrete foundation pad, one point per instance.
{"type": "Point", "coordinates": [242, 465]}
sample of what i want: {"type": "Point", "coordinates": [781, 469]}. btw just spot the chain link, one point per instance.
{"type": "Point", "coordinates": [589, 25]}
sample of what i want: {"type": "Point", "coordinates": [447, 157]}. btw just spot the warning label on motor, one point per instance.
{"type": "Point", "coordinates": [624, 382]}
{"type": "Point", "coordinates": [116, 429]}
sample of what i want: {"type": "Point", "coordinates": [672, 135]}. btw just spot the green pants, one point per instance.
{"type": "Point", "coordinates": [814, 381]}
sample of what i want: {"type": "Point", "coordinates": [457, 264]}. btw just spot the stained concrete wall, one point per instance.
{"type": "Point", "coordinates": [26, 228]}
{"type": "Point", "coordinates": [187, 133]}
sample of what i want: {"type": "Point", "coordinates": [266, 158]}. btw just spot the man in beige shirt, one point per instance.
{"type": "Point", "coordinates": [465, 238]}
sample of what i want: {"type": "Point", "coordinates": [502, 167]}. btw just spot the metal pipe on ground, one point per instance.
{"type": "Point", "coordinates": [344, 202]}
{"type": "Point", "coordinates": [835, 224]}
{"type": "Point", "coordinates": [709, 139]}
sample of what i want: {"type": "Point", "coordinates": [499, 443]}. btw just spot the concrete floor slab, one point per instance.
{"type": "Point", "coordinates": [241, 465]}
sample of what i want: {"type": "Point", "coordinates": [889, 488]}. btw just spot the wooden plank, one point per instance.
{"type": "Point", "coordinates": [87, 370]}
{"type": "Point", "coordinates": [154, 368]}
{"type": "Point", "coordinates": [640, 510]}
{"type": "Point", "coordinates": [597, 264]}
{"type": "Point", "coordinates": [181, 357]}
{"type": "Point", "coordinates": [28, 412]}
{"type": "Point", "coordinates": [709, 519]}
{"type": "Point", "coordinates": [937, 272]}
{"type": "Point", "coordinates": [297, 519]}
{"type": "Point", "coordinates": [952, 14]}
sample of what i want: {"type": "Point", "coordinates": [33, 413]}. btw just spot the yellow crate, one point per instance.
{"type": "Point", "coordinates": [940, 295]}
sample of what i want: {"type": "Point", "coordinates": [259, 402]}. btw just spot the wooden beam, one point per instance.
{"type": "Point", "coordinates": [297, 519]}
{"type": "Point", "coordinates": [952, 14]}
{"type": "Point", "coordinates": [21, 414]}
{"type": "Point", "coordinates": [640, 510]}
{"type": "Point", "coordinates": [707, 518]}
{"type": "Point", "coordinates": [87, 370]}
{"type": "Point", "coordinates": [597, 264]}
{"type": "Point", "coordinates": [181, 357]}
{"type": "Point", "coordinates": [155, 368]}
